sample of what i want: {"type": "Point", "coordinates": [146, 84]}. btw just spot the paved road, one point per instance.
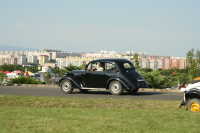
{"type": "Point", "coordinates": [56, 92]}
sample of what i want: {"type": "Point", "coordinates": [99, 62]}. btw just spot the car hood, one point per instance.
{"type": "Point", "coordinates": [77, 72]}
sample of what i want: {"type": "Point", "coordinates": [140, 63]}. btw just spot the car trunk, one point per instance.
{"type": "Point", "coordinates": [135, 79]}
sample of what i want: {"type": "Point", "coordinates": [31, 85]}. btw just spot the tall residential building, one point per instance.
{"type": "Point", "coordinates": [61, 62]}
{"type": "Point", "coordinates": [32, 59]}
{"type": "Point", "coordinates": [13, 60]}
{"type": "Point", "coordinates": [21, 59]}
{"type": "Point", "coordinates": [43, 59]}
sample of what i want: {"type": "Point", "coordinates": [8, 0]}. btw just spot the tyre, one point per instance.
{"type": "Point", "coordinates": [133, 91]}
{"type": "Point", "coordinates": [194, 105]}
{"type": "Point", "coordinates": [115, 88]}
{"type": "Point", "coordinates": [83, 90]}
{"type": "Point", "coordinates": [66, 86]}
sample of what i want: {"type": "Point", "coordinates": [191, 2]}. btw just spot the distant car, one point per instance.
{"type": "Point", "coordinates": [117, 75]}
{"type": "Point", "coordinates": [55, 80]}
{"type": "Point", "coordinates": [191, 96]}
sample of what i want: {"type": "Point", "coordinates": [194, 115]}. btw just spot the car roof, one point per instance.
{"type": "Point", "coordinates": [111, 60]}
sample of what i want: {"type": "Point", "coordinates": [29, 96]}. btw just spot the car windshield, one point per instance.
{"type": "Point", "coordinates": [90, 66]}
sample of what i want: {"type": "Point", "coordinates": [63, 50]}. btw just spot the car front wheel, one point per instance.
{"type": "Point", "coordinates": [194, 105]}
{"type": "Point", "coordinates": [66, 86]}
{"type": "Point", "coordinates": [115, 88]}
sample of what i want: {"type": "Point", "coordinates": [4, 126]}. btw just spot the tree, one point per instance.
{"type": "Point", "coordinates": [33, 68]}
{"type": "Point", "coordinates": [2, 76]}
{"type": "Point", "coordinates": [136, 61]}
{"type": "Point", "coordinates": [167, 72]}
{"type": "Point", "coordinates": [58, 71]}
{"type": "Point", "coordinates": [198, 61]}
{"type": "Point", "coordinates": [71, 67]}
{"type": "Point", "coordinates": [192, 64]}
{"type": "Point", "coordinates": [146, 70]}
{"type": "Point", "coordinates": [159, 79]}
{"type": "Point", "coordinates": [82, 67]}
{"type": "Point", "coordinates": [182, 78]}
{"type": "Point", "coordinates": [11, 67]}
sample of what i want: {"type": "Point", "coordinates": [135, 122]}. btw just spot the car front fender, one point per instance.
{"type": "Point", "coordinates": [75, 82]}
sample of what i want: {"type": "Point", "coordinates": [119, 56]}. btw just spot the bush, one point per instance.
{"type": "Point", "coordinates": [2, 76]}
{"type": "Point", "coordinates": [24, 80]}
{"type": "Point", "coordinates": [156, 79]}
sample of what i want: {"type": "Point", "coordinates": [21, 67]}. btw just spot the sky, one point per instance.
{"type": "Point", "coordinates": [156, 27]}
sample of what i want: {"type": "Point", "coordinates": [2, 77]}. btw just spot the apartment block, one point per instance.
{"type": "Point", "coordinates": [46, 57]}
{"type": "Point", "coordinates": [21, 59]}
{"type": "Point", "coordinates": [32, 59]}
{"type": "Point", "coordinates": [61, 62]}
{"type": "Point", "coordinates": [43, 59]}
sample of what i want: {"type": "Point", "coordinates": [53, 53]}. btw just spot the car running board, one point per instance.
{"type": "Point", "coordinates": [94, 88]}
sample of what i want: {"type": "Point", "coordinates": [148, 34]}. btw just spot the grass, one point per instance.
{"type": "Point", "coordinates": [19, 114]}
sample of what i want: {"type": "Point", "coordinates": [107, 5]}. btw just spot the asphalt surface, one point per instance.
{"type": "Point", "coordinates": [56, 92]}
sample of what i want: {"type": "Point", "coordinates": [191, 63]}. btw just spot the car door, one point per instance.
{"type": "Point", "coordinates": [110, 71]}
{"type": "Point", "coordinates": [92, 78]}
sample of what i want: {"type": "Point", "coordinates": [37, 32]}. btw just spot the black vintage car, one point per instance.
{"type": "Point", "coordinates": [115, 75]}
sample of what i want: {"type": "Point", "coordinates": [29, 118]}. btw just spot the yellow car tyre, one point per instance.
{"type": "Point", "coordinates": [194, 105]}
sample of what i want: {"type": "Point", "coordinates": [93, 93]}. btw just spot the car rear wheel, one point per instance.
{"type": "Point", "coordinates": [194, 105]}
{"type": "Point", "coordinates": [66, 86]}
{"type": "Point", "coordinates": [115, 88]}
{"type": "Point", "coordinates": [133, 91]}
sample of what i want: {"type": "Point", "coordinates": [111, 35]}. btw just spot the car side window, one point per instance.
{"type": "Point", "coordinates": [100, 66]}
{"type": "Point", "coordinates": [110, 67]}
{"type": "Point", "coordinates": [96, 66]}
{"type": "Point", "coordinates": [127, 65]}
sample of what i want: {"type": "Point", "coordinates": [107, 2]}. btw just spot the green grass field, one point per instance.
{"type": "Point", "coordinates": [31, 114]}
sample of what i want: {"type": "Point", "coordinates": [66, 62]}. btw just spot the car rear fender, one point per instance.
{"type": "Point", "coordinates": [125, 85]}
{"type": "Point", "coordinates": [75, 82]}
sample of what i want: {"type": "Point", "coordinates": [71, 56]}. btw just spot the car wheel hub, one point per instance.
{"type": "Point", "coordinates": [195, 107]}
{"type": "Point", "coordinates": [66, 86]}
{"type": "Point", "coordinates": [115, 88]}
